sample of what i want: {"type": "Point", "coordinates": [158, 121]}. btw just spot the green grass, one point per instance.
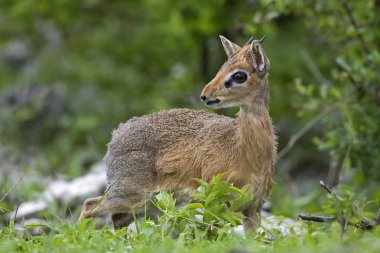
{"type": "Point", "coordinates": [181, 230]}
{"type": "Point", "coordinates": [74, 237]}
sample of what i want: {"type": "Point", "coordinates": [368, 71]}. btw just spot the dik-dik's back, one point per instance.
{"type": "Point", "coordinates": [168, 149]}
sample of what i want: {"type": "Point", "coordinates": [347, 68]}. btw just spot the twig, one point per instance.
{"type": "Point", "coordinates": [357, 85]}
{"type": "Point", "coordinates": [18, 205]}
{"type": "Point", "coordinates": [316, 218]}
{"type": "Point", "coordinates": [334, 173]}
{"type": "Point", "coordinates": [293, 140]}
{"type": "Point", "coordinates": [364, 224]}
{"type": "Point", "coordinates": [355, 25]}
{"type": "Point", "coordinates": [330, 191]}
{"type": "Point", "coordinates": [310, 64]}
{"type": "Point", "coordinates": [13, 187]}
{"type": "Point", "coordinates": [105, 194]}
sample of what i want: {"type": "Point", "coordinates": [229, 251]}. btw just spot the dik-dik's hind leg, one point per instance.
{"type": "Point", "coordinates": [121, 220]}
{"type": "Point", "coordinates": [133, 201]}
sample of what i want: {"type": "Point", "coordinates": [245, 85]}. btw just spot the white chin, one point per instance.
{"type": "Point", "coordinates": [215, 106]}
{"type": "Point", "coordinates": [225, 105]}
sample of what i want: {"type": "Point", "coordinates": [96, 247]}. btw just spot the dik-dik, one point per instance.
{"type": "Point", "coordinates": [166, 150]}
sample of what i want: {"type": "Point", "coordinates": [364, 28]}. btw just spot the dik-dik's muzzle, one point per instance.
{"type": "Point", "coordinates": [207, 100]}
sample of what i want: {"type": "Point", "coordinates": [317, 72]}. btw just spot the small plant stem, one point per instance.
{"type": "Point", "coordinates": [293, 140]}
{"type": "Point", "coordinates": [13, 187]}
{"type": "Point", "coordinates": [105, 194]}
{"type": "Point", "coordinates": [18, 206]}
{"type": "Point", "coordinates": [330, 191]}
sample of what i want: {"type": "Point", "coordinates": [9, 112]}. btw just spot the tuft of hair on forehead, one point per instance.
{"type": "Point", "coordinates": [229, 47]}
{"type": "Point", "coordinates": [252, 52]}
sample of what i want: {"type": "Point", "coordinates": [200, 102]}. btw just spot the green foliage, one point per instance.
{"type": "Point", "coordinates": [211, 216]}
{"type": "Point", "coordinates": [194, 235]}
{"type": "Point", "coordinates": [210, 234]}
{"type": "Point", "coordinates": [111, 62]}
{"type": "Point", "coordinates": [351, 127]}
{"type": "Point", "coordinates": [350, 209]}
{"type": "Point", "coordinates": [104, 62]}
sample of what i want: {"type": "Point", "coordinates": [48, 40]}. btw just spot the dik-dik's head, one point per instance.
{"type": "Point", "coordinates": [242, 80]}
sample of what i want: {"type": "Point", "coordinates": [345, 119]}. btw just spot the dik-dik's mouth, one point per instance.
{"type": "Point", "coordinates": [213, 102]}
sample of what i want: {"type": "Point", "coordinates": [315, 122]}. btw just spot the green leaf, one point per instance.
{"type": "Point", "coordinates": [218, 178]}
{"type": "Point", "coordinates": [194, 206]}
{"type": "Point", "coordinates": [210, 198]}
{"type": "Point", "coordinates": [201, 182]}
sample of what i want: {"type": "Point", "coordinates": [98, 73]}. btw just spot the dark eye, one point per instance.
{"type": "Point", "coordinates": [239, 77]}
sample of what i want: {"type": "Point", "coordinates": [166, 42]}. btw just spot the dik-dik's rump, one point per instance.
{"type": "Point", "coordinates": [166, 150]}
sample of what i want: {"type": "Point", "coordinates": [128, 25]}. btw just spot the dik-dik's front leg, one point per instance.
{"type": "Point", "coordinates": [252, 218]}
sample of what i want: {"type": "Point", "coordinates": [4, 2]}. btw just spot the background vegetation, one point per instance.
{"type": "Point", "coordinates": [71, 71]}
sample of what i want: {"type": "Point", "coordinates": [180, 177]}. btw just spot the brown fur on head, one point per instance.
{"type": "Point", "coordinates": [242, 80]}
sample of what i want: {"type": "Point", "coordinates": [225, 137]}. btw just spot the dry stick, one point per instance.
{"type": "Point", "coordinates": [330, 191]}
{"type": "Point", "coordinates": [341, 218]}
{"type": "Point", "coordinates": [300, 133]}
{"type": "Point", "coordinates": [317, 218]}
{"type": "Point", "coordinates": [362, 224]}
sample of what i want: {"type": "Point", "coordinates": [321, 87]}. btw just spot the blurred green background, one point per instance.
{"type": "Point", "coordinates": [71, 71]}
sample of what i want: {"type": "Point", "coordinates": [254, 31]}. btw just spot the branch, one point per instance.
{"type": "Point", "coordinates": [355, 25]}
{"type": "Point", "coordinates": [310, 64]}
{"type": "Point", "coordinates": [357, 85]}
{"type": "Point", "coordinates": [316, 218]}
{"type": "Point", "coordinates": [363, 224]}
{"type": "Point", "coordinates": [330, 191]}
{"type": "Point", "coordinates": [293, 140]}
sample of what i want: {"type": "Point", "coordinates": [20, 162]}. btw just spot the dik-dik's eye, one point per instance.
{"type": "Point", "coordinates": [239, 77]}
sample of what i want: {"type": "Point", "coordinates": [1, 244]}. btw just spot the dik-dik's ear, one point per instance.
{"type": "Point", "coordinates": [260, 61]}
{"type": "Point", "coordinates": [229, 46]}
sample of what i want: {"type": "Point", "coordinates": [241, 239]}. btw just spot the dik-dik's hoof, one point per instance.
{"type": "Point", "coordinates": [82, 216]}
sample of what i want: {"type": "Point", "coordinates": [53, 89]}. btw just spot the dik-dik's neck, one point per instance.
{"type": "Point", "coordinates": [257, 143]}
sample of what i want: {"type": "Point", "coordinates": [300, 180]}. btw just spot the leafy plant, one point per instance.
{"type": "Point", "coordinates": [349, 94]}
{"type": "Point", "coordinates": [348, 209]}
{"type": "Point", "coordinates": [211, 216]}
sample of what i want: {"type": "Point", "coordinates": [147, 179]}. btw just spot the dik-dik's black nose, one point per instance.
{"type": "Point", "coordinates": [203, 98]}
